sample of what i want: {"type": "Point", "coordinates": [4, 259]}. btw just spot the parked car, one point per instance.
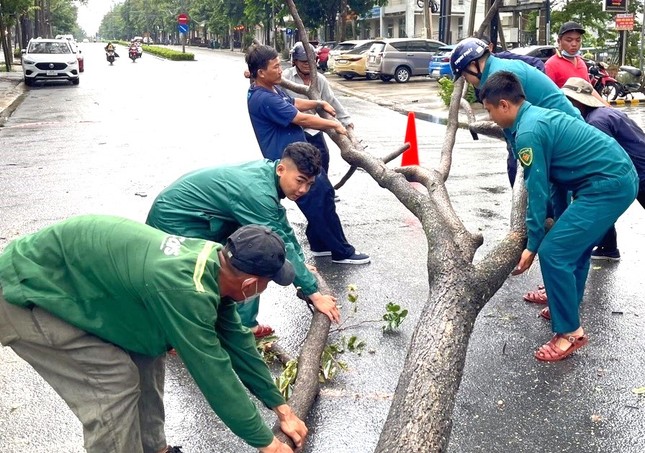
{"type": "Point", "coordinates": [440, 64]}
{"type": "Point", "coordinates": [341, 48]}
{"type": "Point", "coordinates": [541, 52]}
{"type": "Point", "coordinates": [353, 63]}
{"type": "Point", "coordinates": [77, 50]}
{"type": "Point", "coordinates": [401, 58]}
{"type": "Point", "coordinates": [49, 59]}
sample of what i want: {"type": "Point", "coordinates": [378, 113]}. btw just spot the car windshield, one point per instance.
{"type": "Point", "coordinates": [522, 50]}
{"type": "Point", "coordinates": [444, 50]}
{"type": "Point", "coordinates": [377, 47]}
{"type": "Point", "coordinates": [345, 46]}
{"type": "Point", "coordinates": [362, 48]}
{"type": "Point", "coordinates": [49, 47]}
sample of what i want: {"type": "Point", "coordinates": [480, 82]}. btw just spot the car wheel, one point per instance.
{"type": "Point", "coordinates": [348, 76]}
{"type": "Point", "coordinates": [29, 82]}
{"type": "Point", "coordinates": [76, 81]}
{"type": "Point", "coordinates": [402, 74]}
{"type": "Point", "coordinates": [385, 78]}
{"type": "Point", "coordinates": [371, 76]}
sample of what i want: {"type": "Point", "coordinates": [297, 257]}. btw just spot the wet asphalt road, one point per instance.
{"type": "Point", "coordinates": [110, 144]}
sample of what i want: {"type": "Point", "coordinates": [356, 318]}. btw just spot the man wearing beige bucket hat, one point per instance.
{"type": "Point", "coordinates": [625, 131]}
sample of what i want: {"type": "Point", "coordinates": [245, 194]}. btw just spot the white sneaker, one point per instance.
{"type": "Point", "coordinates": [323, 253]}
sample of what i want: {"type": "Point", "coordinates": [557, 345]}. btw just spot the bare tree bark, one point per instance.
{"type": "Point", "coordinates": [307, 385]}
{"type": "Point", "coordinates": [420, 418]}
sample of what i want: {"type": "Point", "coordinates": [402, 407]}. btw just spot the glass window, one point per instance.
{"type": "Point", "coordinates": [417, 46]}
{"type": "Point", "coordinates": [401, 46]}
{"type": "Point", "coordinates": [402, 33]}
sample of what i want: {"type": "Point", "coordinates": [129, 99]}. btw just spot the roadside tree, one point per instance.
{"type": "Point", "coordinates": [420, 417]}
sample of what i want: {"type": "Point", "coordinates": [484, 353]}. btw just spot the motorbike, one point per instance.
{"type": "Point", "coordinates": [630, 80]}
{"type": "Point", "coordinates": [603, 83]}
{"type": "Point", "coordinates": [110, 55]}
{"type": "Point", "coordinates": [133, 53]}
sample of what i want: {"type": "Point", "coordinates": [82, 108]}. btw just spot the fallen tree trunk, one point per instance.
{"type": "Point", "coordinates": [307, 385]}
{"type": "Point", "coordinates": [420, 417]}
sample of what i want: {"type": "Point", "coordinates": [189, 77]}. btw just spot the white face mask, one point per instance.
{"type": "Point", "coordinates": [248, 299]}
{"type": "Point", "coordinates": [567, 54]}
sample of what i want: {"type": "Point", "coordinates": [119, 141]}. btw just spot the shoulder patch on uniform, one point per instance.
{"type": "Point", "coordinates": [526, 156]}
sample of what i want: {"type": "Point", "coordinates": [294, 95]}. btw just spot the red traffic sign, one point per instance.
{"type": "Point", "coordinates": [182, 19]}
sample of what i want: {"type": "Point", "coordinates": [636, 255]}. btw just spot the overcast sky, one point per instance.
{"type": "Point", "coordinates": [90, 16]}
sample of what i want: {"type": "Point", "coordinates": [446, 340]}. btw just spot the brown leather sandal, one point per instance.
{"type": "Point", "coordinates": [549, 352]}
{"type": "Point", "coordinates": [536, 297]}
{"type": "Point", "coordinates": [545, 313]}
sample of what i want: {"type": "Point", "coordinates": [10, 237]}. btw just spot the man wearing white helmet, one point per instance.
{"type": "Point", "coordinates": [300, 73]}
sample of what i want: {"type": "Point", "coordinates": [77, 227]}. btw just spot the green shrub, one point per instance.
{"type": "Point", "coordinates": [169, 54]}
{"type": "Point", "coordinates": [162, 52]}
{"type": "Point", "coordinates": [447, 87]}
{"type": "Point", "coordinates": [17, 54]}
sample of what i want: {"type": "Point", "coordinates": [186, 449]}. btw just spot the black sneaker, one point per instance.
{"type": "Point", "coordinates": [356, 258]}
{"type": "Point", "coordinates": [600, 253]}
{"type": "Point", "coordinates": [172, 449]}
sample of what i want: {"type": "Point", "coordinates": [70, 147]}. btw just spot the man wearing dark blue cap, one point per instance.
{"type": "Point", "coordinates": [94, 302]}
{"type": "Point", "coordinates": [567, 61]}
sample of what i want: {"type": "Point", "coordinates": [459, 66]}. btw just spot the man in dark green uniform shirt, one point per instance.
{"type": "Point", "coordinates": [94, 302]}
{"type": "Point", "coordinates": [211, 202]}
{"type": "Point", "coordinates": [555, 148]}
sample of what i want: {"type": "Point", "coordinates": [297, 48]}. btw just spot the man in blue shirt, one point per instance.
{"type": "Point", "coordinates": [278, 120]}
{"type": "Point", "coordinates": [557, 149]}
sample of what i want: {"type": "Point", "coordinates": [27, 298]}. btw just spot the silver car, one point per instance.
{"type": "Point", "coordinates": [401, 58]}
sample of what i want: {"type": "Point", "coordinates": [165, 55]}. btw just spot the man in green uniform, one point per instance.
{"type": "Point", "coordinates": [94, 302]}
{"type": "Point", "coordinates": [212, 202]}
{"type": "Point", "coordinates": [556, 148]}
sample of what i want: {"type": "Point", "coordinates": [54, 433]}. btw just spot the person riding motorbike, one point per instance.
{"type": "Point", "coordinates": [110, 52]}
{"type": "Point", "coordinates": [133, 50]}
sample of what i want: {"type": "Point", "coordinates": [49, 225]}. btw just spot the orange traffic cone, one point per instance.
{"type": "Point", "coordinates": [411, 155]}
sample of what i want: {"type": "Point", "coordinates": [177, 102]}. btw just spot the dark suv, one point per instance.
{"type": "Point", "coordinates": [401, 58]}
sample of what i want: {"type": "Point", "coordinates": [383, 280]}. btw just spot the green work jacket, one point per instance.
{"type": "Point", "coordinates": [146, 291]}
{"type": "Point", "coordinates": [211, 203]}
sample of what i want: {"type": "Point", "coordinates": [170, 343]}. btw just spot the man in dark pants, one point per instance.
{"type": "Point", "coordinates": [278, 120]}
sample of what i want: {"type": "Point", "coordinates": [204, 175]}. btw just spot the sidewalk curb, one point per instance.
{"type": "Point", "coordinates": [18, 93]}
{"type": "Point", "coordinates": [624, 102]}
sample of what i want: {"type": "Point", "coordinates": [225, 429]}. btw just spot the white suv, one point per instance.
{"type": "Point", "coordinates": [49, 59]}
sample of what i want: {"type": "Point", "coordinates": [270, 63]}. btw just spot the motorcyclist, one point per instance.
{"type": "Point", "coordinates": [133, 48]}
{"type": "Point", "coordinates": [110, 48]}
